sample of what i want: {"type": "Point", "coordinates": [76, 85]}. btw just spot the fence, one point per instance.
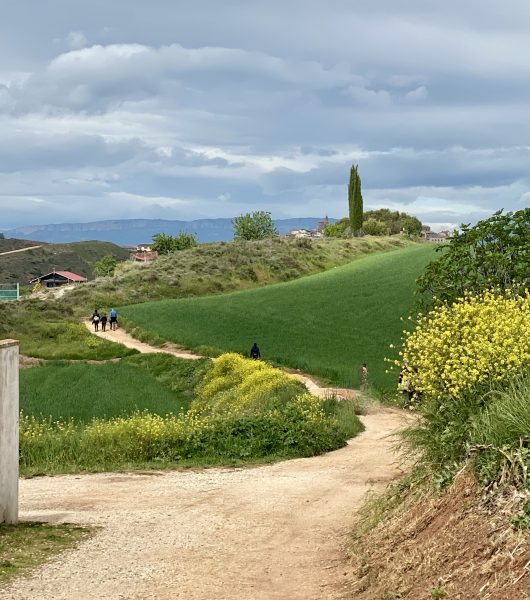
{"type": "Point", "coordinates": [9, 291]}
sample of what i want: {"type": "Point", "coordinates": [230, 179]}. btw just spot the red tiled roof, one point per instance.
{"type": "Point", "coordinates": [72, 276]}
{"type": "Point", "coordinates": [66, 274]}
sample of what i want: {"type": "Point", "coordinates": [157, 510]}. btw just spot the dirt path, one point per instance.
{"type": "Point", "coordinates": [274, 532]}
{"type": "Point", "coordinates": [122, 337]}
{"type": "Point", "coordinates": [20, 250]}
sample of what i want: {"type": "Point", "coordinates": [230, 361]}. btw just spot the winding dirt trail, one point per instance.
{"type": "Point", "coordinates": [274, 532]}
{"type": "Point", "coordinates": [122, 337]}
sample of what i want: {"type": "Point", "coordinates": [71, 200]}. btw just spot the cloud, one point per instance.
{"type": "Point", "coordinates": [165, 113]}
{"type": "Point", "coordinates": [76, 40]}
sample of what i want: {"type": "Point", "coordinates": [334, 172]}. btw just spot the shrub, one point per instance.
{"type": "Point", "coordinates": [500, 433]}
{"type": "Point", "coordinates": [479, 339]}
{"type": "Point", "coordinates": [373, 227]}
{"type": "Point", "coordinates": [257, 225]}
{"type": "Point", "coordinates": [493, 253]}
{"type": "Point", "coordinates": [236, 385]}
{"type": "Point", "coordinates": [466, 360]}
{"type": "Point", "coordinates": [245, 410]}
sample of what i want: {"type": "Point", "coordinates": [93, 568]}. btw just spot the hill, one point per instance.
{"type": "Point", "coordinates": [78, 257]}
{"type": "Point", "coordinates": [10, 244]}
{"type": "Point", "coordinates": [326, 324]}
{"type": "Point", "coordinates": [137, 231]}
{"type": "Point", "coordinates": [224, 267]}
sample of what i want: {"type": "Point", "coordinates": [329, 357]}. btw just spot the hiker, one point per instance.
{"type": "Point", "coordinates": [113, 314]}
{"type": "Point", "coordinates": [404, 386]}
{"type": "Point", "coordinates": [364, 377]}
{"type": "Point", "coordinates": [254, 352]}
{"type": "Point", "coordinates": [103, 322]}
{"type": "Point", "coordinates": [95, 319]}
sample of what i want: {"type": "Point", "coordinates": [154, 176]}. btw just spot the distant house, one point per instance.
{"type": "Point", "coordinates": [57, 278]}
{"type": "Point", "coordinates": [304, 233]}
{"type": "Point", "coordinates": [435, 237]}
{"type": "Point", "coordinates": [143, 253]}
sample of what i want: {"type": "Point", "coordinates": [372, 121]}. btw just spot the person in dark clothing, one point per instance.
{"type": "Point", "coordinates": [95, 319]}
{"type": "Point", "coordinates": [103, 321]}
{"type": "Point", "coordinates": [254, 352]}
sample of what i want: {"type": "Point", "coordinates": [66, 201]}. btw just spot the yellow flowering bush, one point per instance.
{"type": "Point", "coordinates": [236, 384]}
{"type": "Point", "coordinates": [243, 409]}
{"type": "Point", "coordinates": [477, 339]}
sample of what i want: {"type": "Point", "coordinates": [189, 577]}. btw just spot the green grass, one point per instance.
{"type": "Point", "coordinates": [158, 383]}
{"type": "Point", "coordinates": [326, 324]}
{"type": "Point", "coordinates": [50, 330]}
{"type": "Point", "coordinates": [26, 545]}
{"type": "Point", "coordinates": [77, 429]}
{"type": "Point", "coordinates": [224, 267]}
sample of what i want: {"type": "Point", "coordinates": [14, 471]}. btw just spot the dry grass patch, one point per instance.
{"type": "Point", "coordinates": [28, 544]}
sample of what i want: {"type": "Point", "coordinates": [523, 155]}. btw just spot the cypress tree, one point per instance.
{"type": "Point", "coordinates": [355, 202]}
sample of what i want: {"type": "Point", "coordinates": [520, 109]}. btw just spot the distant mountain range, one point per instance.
{"type": "Point", "coordinates": [138, 231]}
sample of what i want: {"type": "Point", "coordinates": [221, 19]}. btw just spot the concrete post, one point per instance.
{"type": "Point", "coordinates": [9, 407]}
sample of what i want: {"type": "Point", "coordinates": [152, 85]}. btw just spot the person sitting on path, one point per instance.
{"type": "Point", "coordinates": [103, 322]}
{"type": "Point", "coordinates": [254, 352]}
{"type": "Point", "coordinates": [113, 314]}
{"type": "Point", "coordinates": [95, 319]}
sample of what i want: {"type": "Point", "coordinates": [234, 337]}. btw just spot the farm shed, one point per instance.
{"type": "Point", "coordinates": [57, 278]}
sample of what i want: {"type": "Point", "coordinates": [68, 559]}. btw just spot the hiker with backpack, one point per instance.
{"type": "Point", "coordinates": [95, 319]}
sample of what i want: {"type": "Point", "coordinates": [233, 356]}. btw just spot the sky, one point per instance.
{"type": "Point", "coordinates": [180, 109]}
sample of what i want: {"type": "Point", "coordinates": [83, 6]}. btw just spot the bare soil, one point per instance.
{"type": "Point", "coordinates": [458, 545]}
{"type": "Point", "coordinates": [270, 532]}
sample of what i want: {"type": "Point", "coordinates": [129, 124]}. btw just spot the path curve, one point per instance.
{"type": "Point", "coordinates": [122, 337]}
{"type": "Point", "coordinates": [274, 532]}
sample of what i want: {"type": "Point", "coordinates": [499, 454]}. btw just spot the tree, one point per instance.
{"type": "Point", "coordinates": [495, 253]}
{"type": "Point", "coordinates": [165, 244]}
{"type": "Point", "coordinates": [340, 229]}
{"type": "Point", "coordinates": [162, 243]}
{"type": "Point", "coordinates": [396, 222]}
{"type": "Point", "coordinates": [185, 240]}
{"type": "Point", "coordinates": [257, 225]}
{"type": "Point", "coordinates": [355, 201]}
{"type": "Point", "coordinates": [373, 227]}
{"type": "Point", "coordinates": [105, 267]}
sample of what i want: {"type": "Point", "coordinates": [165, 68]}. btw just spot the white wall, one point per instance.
{"type": "Point", "coordinates": [9, 407]}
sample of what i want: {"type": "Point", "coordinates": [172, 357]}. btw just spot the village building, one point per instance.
{"type": "Point", "coordinates": [435, 237]}
{"type": "Point", "coordinates": [142, 253]}
{"type": "Point", "coordinates": [58, 278]}
{"type": "Point", "coordinates": [305, 233]}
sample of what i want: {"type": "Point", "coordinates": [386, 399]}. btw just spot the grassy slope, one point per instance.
{"type": "Point", "coordinates": [326, 324]}
{"type": "Point", "coordinates": [78, 257]}
{"type": "Point", "coordinates": [224, 267]}
{"type": "Point", "coordinates": [159, 383]}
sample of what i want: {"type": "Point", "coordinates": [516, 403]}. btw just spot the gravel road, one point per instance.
{"type": "Point", "coordinates": [274, 532]}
